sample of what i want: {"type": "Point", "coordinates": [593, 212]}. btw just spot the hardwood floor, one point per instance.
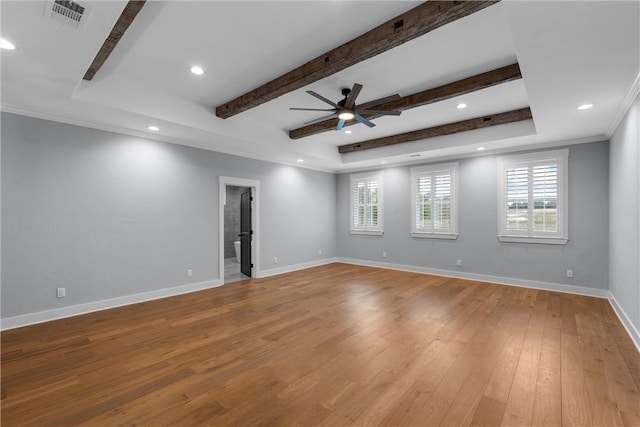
{"type": "Point", "coordinates": [333, 345]}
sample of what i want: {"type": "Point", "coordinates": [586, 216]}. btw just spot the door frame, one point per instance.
{"type": "Point", "coordinates": [224, 181]}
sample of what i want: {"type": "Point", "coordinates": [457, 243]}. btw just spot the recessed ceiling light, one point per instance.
{"type": "Point", "coordinates": [198, 71]}
{"type": "Point", "coordinates": [6, 44]}
{"type": "Point", "coordinates": [585, 106]}
{"type": "Point", "coordinates": [348, 131]}
{"type": "Point", "coordinates": [153, 128]}
{"type": "Point", "coordinates": [480, 149]}
{"type": "Point", "coordinates": [300, 160]}
{"type": "Point", "coordinates": [461, 106]}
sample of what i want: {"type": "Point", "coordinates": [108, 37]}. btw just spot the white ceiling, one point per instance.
{"type": "Point", "coordinates": [569, 53]}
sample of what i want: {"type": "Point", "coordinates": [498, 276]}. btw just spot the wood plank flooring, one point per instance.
{"type": "Point", "coordinates": [333, 345]}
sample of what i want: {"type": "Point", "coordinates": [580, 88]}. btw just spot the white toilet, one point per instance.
{"type": "Point", "coordinates": [236, 246]}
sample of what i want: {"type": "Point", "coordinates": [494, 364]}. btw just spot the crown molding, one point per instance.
{"type": "Point", "coordinates": [632, 94]}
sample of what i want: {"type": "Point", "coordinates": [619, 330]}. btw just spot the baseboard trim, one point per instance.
{"type": "Point", "coordinates": [75, 310]}
{"type": "Point", "coordinates": [296, 267]}
{"type": "Point", "coordinates": [625, 320]}
{"type": "Point", "coordinates": [509, 281]}
{"type": "Point", "coordinates": [632, 331]}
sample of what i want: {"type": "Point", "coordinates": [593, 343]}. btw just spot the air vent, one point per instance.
{"type": "Point", "coordinates": [66, 12]}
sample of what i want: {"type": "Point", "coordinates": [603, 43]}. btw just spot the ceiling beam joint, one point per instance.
{"type": "Point", "coordinates": [429, 96]}
{"type": "Point", "coordinates": [447, 129]}
{"type": "Point", "coordinates": [127, 16]}
{"type": "Point", "coordinates": [416, 22]}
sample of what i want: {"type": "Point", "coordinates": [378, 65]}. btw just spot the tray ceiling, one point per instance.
{"type": "Point", "coordinates": [569, 53]}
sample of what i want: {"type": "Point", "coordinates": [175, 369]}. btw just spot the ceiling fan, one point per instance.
{"type": "Point", "coordinates": [346, 109]}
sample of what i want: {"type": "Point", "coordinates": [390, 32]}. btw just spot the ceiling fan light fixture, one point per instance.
{"type": "Point", "coordinates": [6, 44]}
{"type": "Point", "coordinates": [346, 109]}
{"type": "Point", "coordinates": [198, 71]}
{"type": "Point", "coordinates": [346, 115]}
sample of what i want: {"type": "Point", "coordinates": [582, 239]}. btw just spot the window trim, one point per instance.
{"type": "Point", "coordinates": [562, 158]}
{"type": "Point", "coordinates": [368, 176]}
{"type": "Point", "coordinates": [452, 168]}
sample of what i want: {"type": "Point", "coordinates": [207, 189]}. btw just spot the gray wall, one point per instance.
{"type": "Point", "coordinates": [107, 215]}
{"type": "Point", "coordinates": [477, 246]}
{"type": "Point", "coordinates": [231, 220]}
{"type": "Point", "coordinates": [624, 234]}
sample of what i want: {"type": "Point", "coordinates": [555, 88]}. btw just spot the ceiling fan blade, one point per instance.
{"type": "Point", "coordinates": [311, 109]}
{"type": "Point", "coordinates": [370, 104]}
{"type": "Point", "coordinates": [340, 124]}
{"type": "Point", "coordinates": [351, 99]}
{"type": "Point", "coordinates": [320, 119]}
{"type": "Point", "coordinates": [380, 112]}
{"type": "Point", "coordinates": [322, 98]}
{"type": "Point", "coordinates": [364, 121]}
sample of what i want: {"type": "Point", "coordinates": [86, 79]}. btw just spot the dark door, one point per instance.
{"type": "Point", "coordinates": [245, 232]}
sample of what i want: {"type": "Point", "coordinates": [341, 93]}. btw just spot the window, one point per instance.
{"type": "Point", "coordinates": [366, 203]}
{"type": "Point", "coordinates": [532, 201]}
{"type": "Point", "coordinates": [434, 201]}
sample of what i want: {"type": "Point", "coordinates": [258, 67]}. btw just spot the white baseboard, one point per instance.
{"type": "Point", "coordinates": [296, 267]}
{"type": "Point", "coordinates": [75, 310]}
{"type": "Point", "coordinates": [510, 281]}
{"type": "Point", "coordinates": [557, 287]}
{"type": "Point", "coordinates": [626, 322]}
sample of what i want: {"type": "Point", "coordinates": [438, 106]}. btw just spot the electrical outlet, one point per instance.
{"type": "Point", "coordinates": [384, 254]}
{"type": "Point", "coordinates": [61, 292]}
{"type": "Point", "coordinates": [569, 273]}
{"type": "Point", "coordinates": [459, 263]}
{"type": "Point", "coordinates": [320, 252]}
{"type": "Point", "coordinates": [275, 259]}
{"type": "Point", "coordinates": [189, 273]}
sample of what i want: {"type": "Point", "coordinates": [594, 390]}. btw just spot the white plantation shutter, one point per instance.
{"type": "Point", "coordinates": [358, 202]}
{"type": "Point", "coordinates": [366, 203]}
{"type": "Point", "coordinates": [545, 197]}
{"type": "Point", "coordinates": [517, 198]}
{"type": "Point", "coordinates": [533, 202]}
{"type": "Point", "coordinates": [423, 197]}
{"type": "Point", "coordinates": [372, 204]}
{"type": "Point", "coordinates": [442, 202]}
{"type": "Point", "coordinates": [434, 199]}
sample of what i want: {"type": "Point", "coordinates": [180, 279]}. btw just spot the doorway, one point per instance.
{"type": "Point", "coordinates": [238, 229]}
{"type": "Point", "coordinates": [237, 233]}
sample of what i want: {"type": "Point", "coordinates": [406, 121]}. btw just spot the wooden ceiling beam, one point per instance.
{"type": "Point", "coordinates": [122, 24]}
{"type": "Point", "coordinates": [429, 96]}
{"type": "Point", "coordinates": [448, 129]}
{"type": "Point", "coordinates": [405, 27]}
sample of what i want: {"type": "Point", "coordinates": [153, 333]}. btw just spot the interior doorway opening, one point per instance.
{"type": "Point", "coordinates": [238, 231]}
{"type": "Point", "coordinates": [237, 234]}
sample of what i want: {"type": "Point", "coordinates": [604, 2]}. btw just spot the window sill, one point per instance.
{"type": "Point", "coordinates": [445, 236]}
{"type": "Point", "coordinates": [365, 232]}
{"type": "Point", "coordinates": [535, 240]}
